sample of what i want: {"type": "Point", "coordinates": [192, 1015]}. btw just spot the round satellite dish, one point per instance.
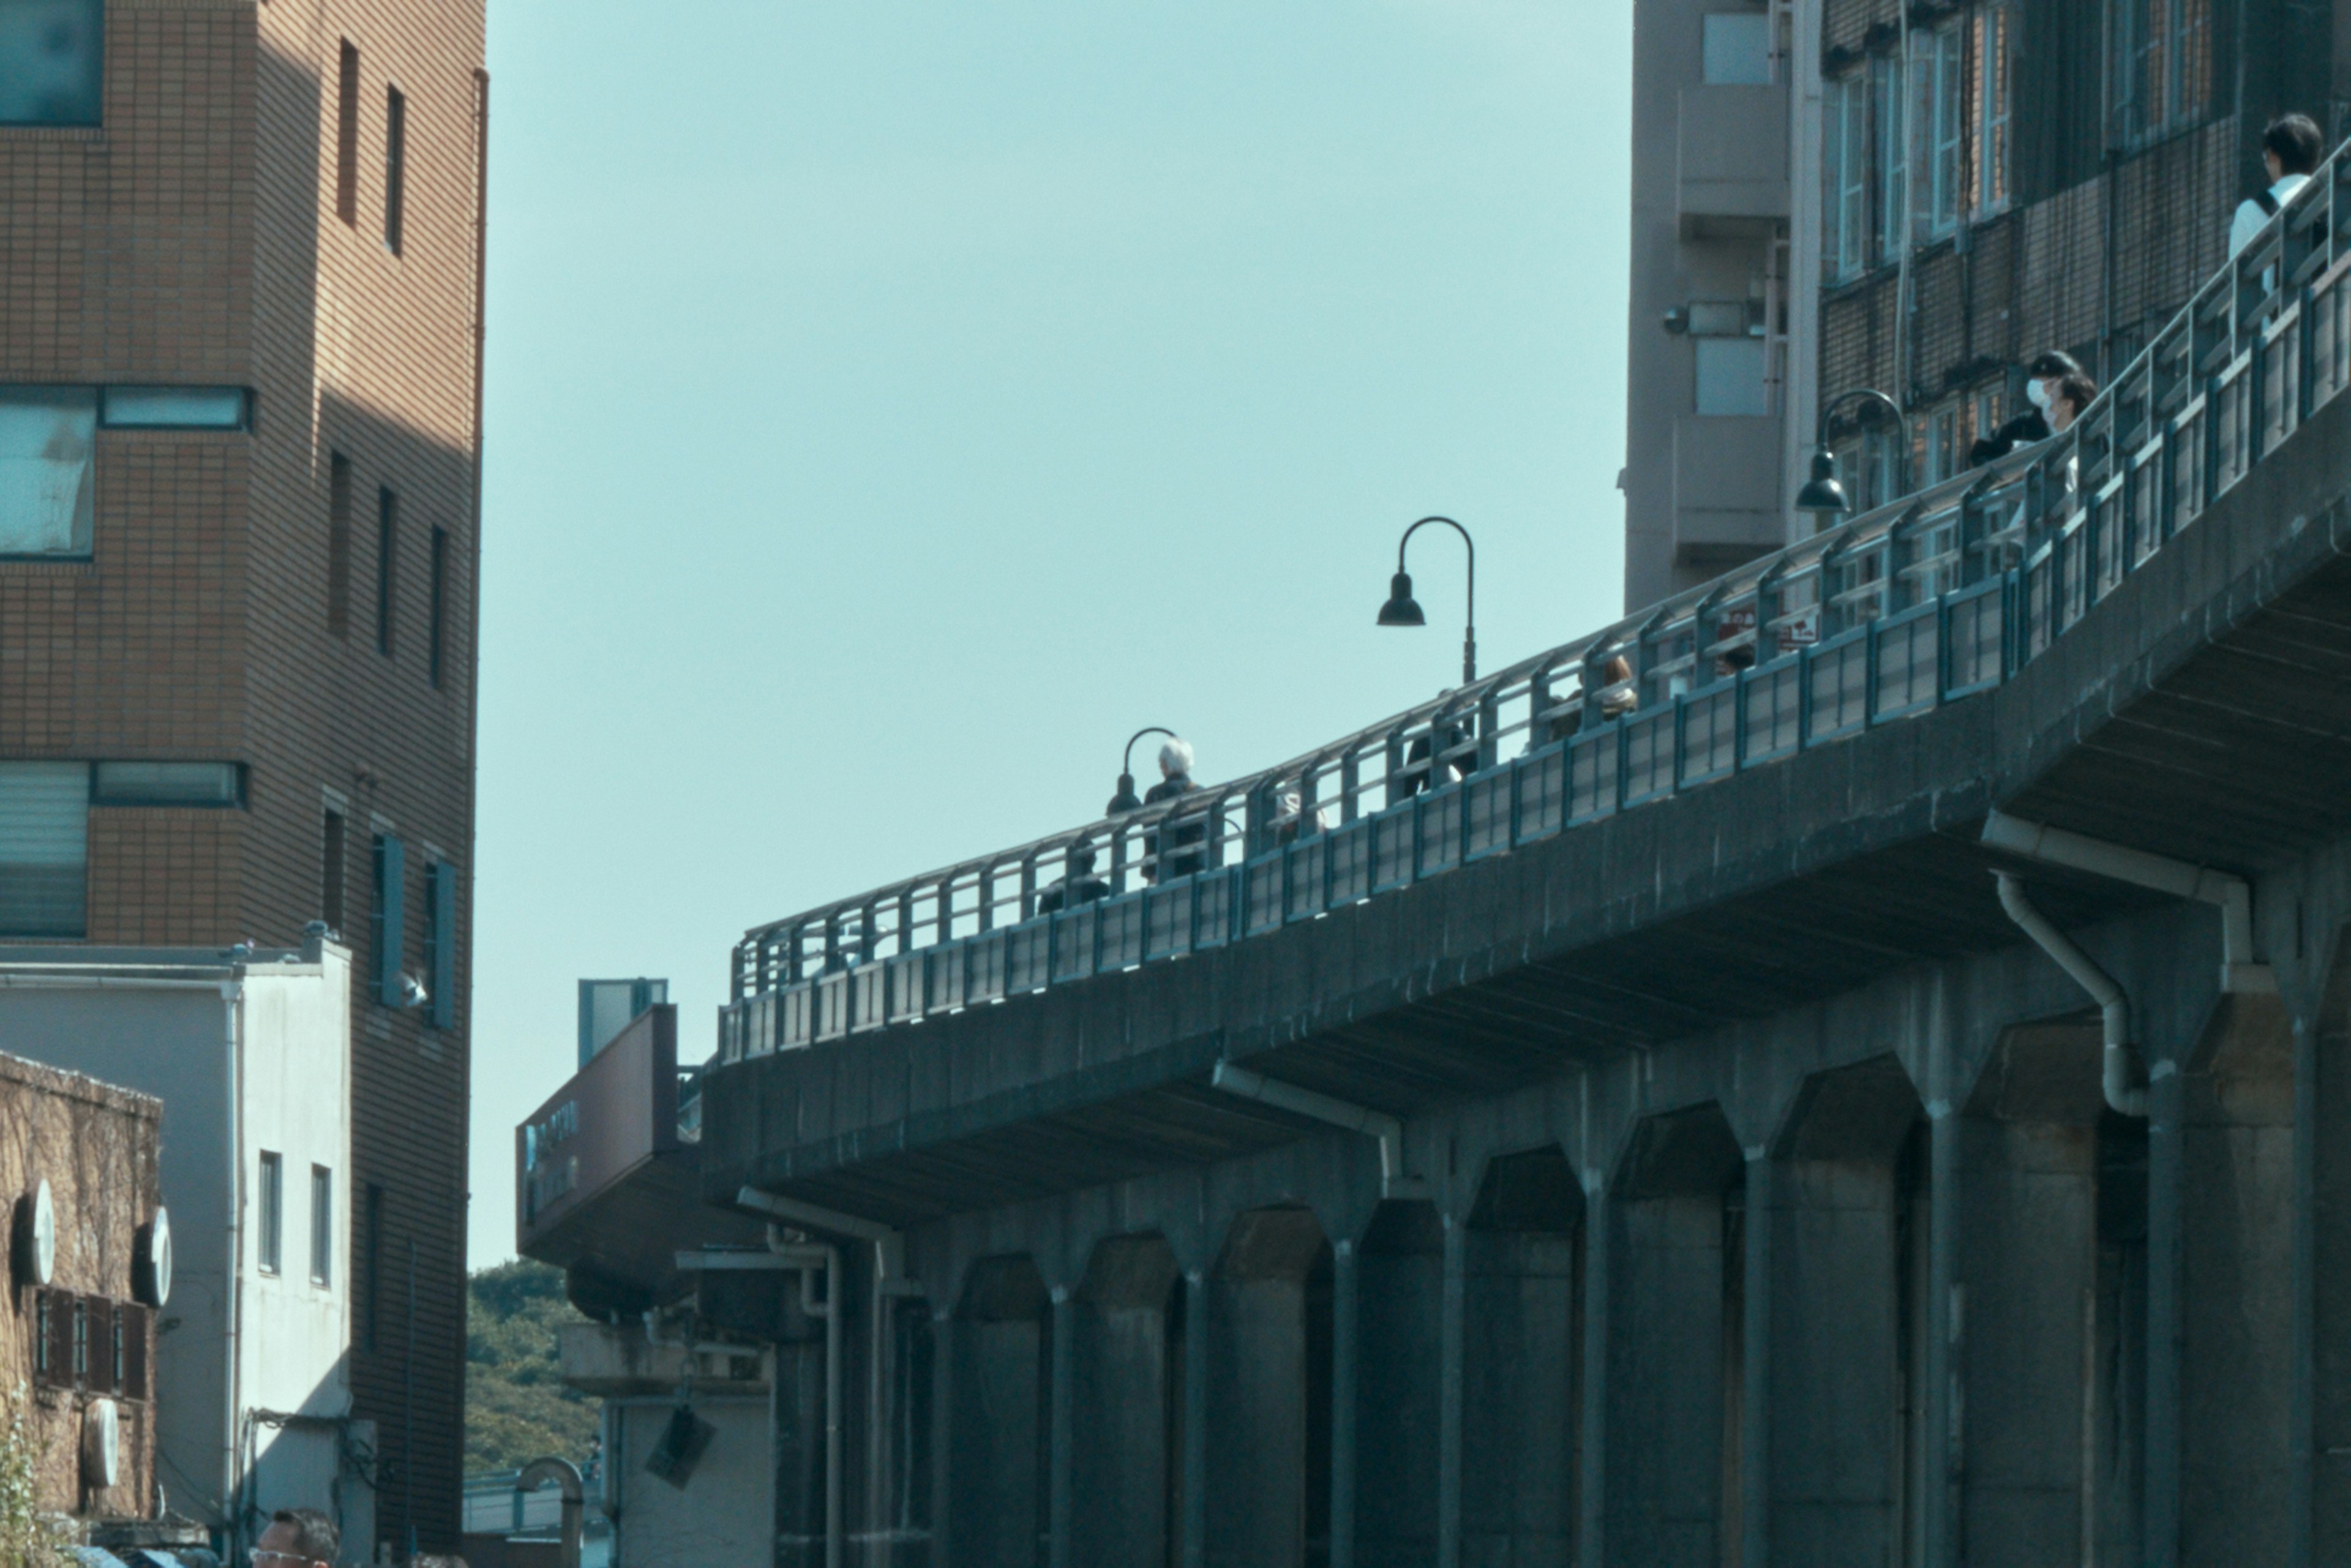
{"type": "Point", "coordinates": [101, 1443]}
{"type": "Point", "coordinates": [37, 1236]}
{"type": "Point", "coordinates": [150, 1265]}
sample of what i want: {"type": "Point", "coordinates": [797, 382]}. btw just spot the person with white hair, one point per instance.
{"type": "Point", "coordinates": [1176, 855]}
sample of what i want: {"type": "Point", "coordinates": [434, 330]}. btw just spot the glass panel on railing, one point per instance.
{"type": "Point", "coordinates": [1351, 862]}
{"type": "Point", "coordinates": [1592, 776]}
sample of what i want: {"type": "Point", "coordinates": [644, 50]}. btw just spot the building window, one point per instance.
{"type": "Point", "coordinates": [167, 784]}
{"type": "Point", "coordinates": [80, 1341]}
{"type": "Point", "coordinates": [2163, 64]}
{"type": "Point", "coordinates": [175, 408]}
{"type": "Point", "coordinates": [48, 440]}
{"type": "Point", "coordinates": [435, 629]}
{"type": "Point", "coordinates": [391, 865]}
{"type": "Point", "coordinates": [441, 942]}
{"type": "Point", "coordinates": [1940, 68]}
{"type": "Point", "coordinates": [1845, 205]}
{"type": "Point", "coordinates": [339, 545]}
{"type": "Point", "coordinates": [347, 136]}
{"type": "Point", "coordinates": [396, 160]}
{"type": "Point", "coordinates": [52, 62]}
{"type": "Point", "coordinates": [1735, 48]}
{"type": "Point", "coordinates": [270, 1204]}
{"type": "Point", "coordinates": [331, 870]}
{"type": "Point", "coordinates": [1890, 153]}
{"type": "Point", "coordinates": [44, 848]}
{"type": "Point", "coordinates": [322, 1226]}
{"type": "Point", "coordinates": [371, 1265]}
{"type": "Point", "coordinates": [1731, 377]}
{"type": "Point", "coordinates": [1995, 29]}
{"type": "Point", "coordinates": [387, 557]}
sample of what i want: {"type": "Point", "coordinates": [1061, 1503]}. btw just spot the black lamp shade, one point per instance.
{"type": "Point", "coordinates": [1822, 493]}
{"type": "Point", "coordinates": [1400, 610]}
{"type": "Point", "coordinates": [1126, 799]}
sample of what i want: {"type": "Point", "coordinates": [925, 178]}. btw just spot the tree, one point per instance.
{"type": "Point", "coordinates": [517, 1407]}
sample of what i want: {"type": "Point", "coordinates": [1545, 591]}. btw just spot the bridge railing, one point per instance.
{"type": "Point", "coordinates": [1929, 600]}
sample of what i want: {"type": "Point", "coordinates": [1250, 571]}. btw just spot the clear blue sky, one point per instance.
{"type": "Point", "coordinates": [892, 406]}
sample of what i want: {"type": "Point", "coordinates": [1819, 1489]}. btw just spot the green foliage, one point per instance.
{"type": "Point", "coordinates": [28, 1538]}
{"type": "Point", "coordinates": [517, 1408]}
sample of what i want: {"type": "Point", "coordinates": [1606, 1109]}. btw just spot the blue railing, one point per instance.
{"type": "Point", "coordinates": [1929, 600]}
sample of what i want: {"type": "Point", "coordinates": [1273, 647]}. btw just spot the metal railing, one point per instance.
{"type": "Point", "coordinates": [1930, 600]}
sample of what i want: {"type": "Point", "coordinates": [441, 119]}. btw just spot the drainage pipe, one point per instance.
{"type": "Point", "coordinates": [808, 1258]}
{"type": "Point", "coordinates": [2241, 972]}
{"type": "Point", "coordinates": [1378, 1125]}
{"type": "Point", "coordinates": [2112, 1005]}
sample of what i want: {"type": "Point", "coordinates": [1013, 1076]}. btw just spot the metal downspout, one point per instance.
{"type": "Point", "coordinates": [2113, 1008]}
{"type": "Point", "coordinates": [809, 1257]}
{"type": "Point", "coordinates": [232, 993]}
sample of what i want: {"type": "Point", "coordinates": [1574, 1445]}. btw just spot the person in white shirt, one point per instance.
{"type": "Point", "coordinates": [2290, 149]}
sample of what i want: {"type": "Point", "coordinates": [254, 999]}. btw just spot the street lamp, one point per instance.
{"type": "Point", "coordinates": [1402, 609]}
{"type": "Point", "coordinates": [1126, 799]}
{"type": "Point", "coordinates": [1823, 495]}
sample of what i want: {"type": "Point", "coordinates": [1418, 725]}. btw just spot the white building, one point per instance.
{"type": "Point", "coordinates": [251, 1054]}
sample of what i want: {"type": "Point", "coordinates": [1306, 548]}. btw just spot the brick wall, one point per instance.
{"type": "Point", "coordinates": [193, 238]}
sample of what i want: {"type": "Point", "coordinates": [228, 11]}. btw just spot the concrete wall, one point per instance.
{"type": "Point", "coordinates": [725, 1513]}
{"type": "Point", "coordinates": [162, 1023]}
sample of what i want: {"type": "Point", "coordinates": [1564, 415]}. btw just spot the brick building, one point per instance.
{"type": "Point", "coordinates": [240, 306]}
{"type": "Point", "coordinates": [1835, 194]}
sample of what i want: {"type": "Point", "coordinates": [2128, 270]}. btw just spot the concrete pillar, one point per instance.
{"type": "Point", "coordinates": [2023, 1406]}
{"type": "Point", "coordinates": [1345, 1371]}
{"type": "Point", "coordinates": [2160, 1533]}
{"type": "Point", "coordinates": [2330, 1270]}
{"type": "Point", "coordinates": [1844, 1305]}
{"type": "Point", "coordinates": [1450, 1330]}
{"type": "Point", "coordinates": [997, 1507]}
{"type": "Point", "coordinates": [1198, 1344]}
{"type": "Point", "coordinates": [1123, 1405]}
{"type": "Point", "coordinates": [1061, 1445]}
{"type": "Point", "coordinates": [1399, 1396]}
{"type": "Point", "coordinates": [1599, 1225]}
{"type": "Point", "coordinates": [1755, 1367]}
{"type": "Point", "coordinates": [2237, 1272]}
{"type": "Point", "coordinates": [943, 1548]}
{"type": "Point", "coordinates": [1665, 1410]}
{"type": "Point", "coordinates": [1521, 1310]}
{"type": "Point", "coordinates": [1265, 1486]}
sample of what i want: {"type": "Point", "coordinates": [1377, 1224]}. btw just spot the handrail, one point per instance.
{"type": "Point", "coordinates": [1931, 598]}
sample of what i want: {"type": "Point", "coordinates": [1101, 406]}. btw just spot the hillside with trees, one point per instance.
{"type": "Point", "coordinates": [517, 1408]}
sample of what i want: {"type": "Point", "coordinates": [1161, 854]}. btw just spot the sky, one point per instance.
{"type": "Point", "coordinates": [892, 406]}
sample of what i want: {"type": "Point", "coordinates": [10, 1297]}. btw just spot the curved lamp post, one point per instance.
{"type": "Point", "coordinates": [1402, 609]}
{"type": "Point", "coordinates": [1126, 799]}
{"type": "Point", "coordinates": [1823, 495]}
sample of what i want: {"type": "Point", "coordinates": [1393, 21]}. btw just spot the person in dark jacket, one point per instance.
{"type": "Point", "coordinates": [1175, 856]}
{"type": "Point", "coordinates": [1077, 884]}
{"type": "Point", "coordinates": [2048, 374]}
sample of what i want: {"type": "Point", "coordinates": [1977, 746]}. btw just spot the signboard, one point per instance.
{"type": "Point", "coordinates": [616, 1113]}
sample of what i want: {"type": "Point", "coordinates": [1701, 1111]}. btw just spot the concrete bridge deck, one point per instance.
{"type": "Point", "coordinates": [1720, 1179]}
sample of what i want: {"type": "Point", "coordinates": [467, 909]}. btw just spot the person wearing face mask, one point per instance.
{"type": "Point", "coordinates": [2047, 376]}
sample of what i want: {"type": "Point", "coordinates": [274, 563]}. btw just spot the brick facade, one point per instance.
{"type": "Point", "coordinates": [193, 238]}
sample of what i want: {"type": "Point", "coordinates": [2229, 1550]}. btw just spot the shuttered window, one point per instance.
{"type": "Point", "coordinates": [44, 848]}
{"type": "Point", "coordinates": [441, 942]}
{"type": "Point", "coordinates": [391, 868]}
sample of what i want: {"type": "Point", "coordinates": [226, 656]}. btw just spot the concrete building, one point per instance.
{"type": "Point", "coordinates": [252, 1054]}
{"type": "Point", "coordinates": [78, 1166]}
{"type": "Point", "coordinates": [1836, 195]}
{"type": "Point", "coordinates": [240, 317]}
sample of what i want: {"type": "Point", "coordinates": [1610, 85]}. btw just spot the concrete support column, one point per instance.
{"type": "Point", "coordinates": [998, 1504]}
{"type": "Point", "coordinates": [1198, 1343]}
{"type": "Point", "coordinates": [1592, 1440]}
{"type": "Point", "coordinates": [1267, 1396]}
{"type": "Point", "coordinates": [1450, 1330]}
{"type": "Point", "coordinates": [943, 1552]}
{"type": "Point", "coordinates": [1124, 1411]}
{"type": "Point", "coordinates": [1400, 1398]}
{"type": "Point", "coordinates": [2160, 1527]}
{"type": "Point", "coordinates": [1060, 1441]}
{"type": "Point", "coordinates": [2238, 1279]}
{"type": "Point", "coordinates": [2301, 1515]}
{"type": "Point", "coordinates": [1521, 1301]}
{"type": "Point", "coordinates": [1942, 1469]}
{"type": "Point", "coordinates": [2328, 1045]}
{"type": "Point", "coordinates": [1755, 1391]}
{"type": "Point", "coordinates": [1344, 1374]}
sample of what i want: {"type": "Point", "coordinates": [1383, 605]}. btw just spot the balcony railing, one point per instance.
{"type": "Point", "coordinates": [1931, 600]}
